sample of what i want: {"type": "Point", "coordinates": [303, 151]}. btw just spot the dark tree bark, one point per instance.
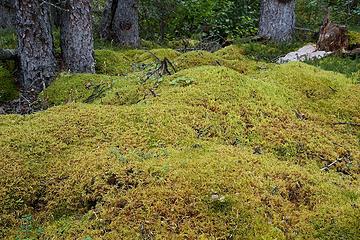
{"type": "Point", "coordinates": [277, 19]}
{"type": "Point", "coordinates": [56, 12]}
{"type": "Point", "coordinates": [76, 37]}
{"type": "Point", "coordinates": [7, 13]}
{"type": "Point", "coordinates": [36, 49]}
{"type": "Point", "coordinates": [121, 22]}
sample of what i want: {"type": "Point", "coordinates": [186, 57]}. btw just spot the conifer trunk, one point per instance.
{"type": "Point", "coordinates": [76, 37]}
{"type": "Point", "coordinates": [277, 19]}
{"type": "Point", "coordinates": [121, 22]}
{"type": "Point", "coordinates": [35, 46]}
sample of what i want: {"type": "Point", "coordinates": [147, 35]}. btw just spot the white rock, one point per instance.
{"type": "Point", "coordinates": [308, 52]}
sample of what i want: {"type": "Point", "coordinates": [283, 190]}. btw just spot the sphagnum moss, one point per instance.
{"type": "Point", "coordinates": [215, 153]}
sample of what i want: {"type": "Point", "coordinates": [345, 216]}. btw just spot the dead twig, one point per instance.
{"type": "Point", "coordinates": [331, 164]}
{"type": "Point", "coordinates": [348, 123]}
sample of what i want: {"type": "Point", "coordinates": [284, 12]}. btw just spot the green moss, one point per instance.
{"type": "Point", "coordinates": [203, 58]}
{"type": "Point", "coordinates": [206, 153]}
{"type": "Point", "coordinates": [149, 44]}
{"type": "Point", "coordinates": [356, 76]}
{"type": "Point", "coordinates": [269, 52]}
{"type": "Point", "coordinates": [354, 38]}
{"type": "Point", "coordinates": [8, 38]}
{"type": "Point", "coordinates": [232, 52]}
{"type": "Point", "coordinates": [184, 43]}
{"type": "Point", "coordinates": [155, 54]}
{"type": "Point", "coordinates": [69, 88]}
{"type": "Point", "coordinates": [197, 58]}
{"type": "Point", "coordinates": [345, 65]}
{"type": "Point", "coordinates": [8, 89]}
{"type": "Point", "coordinates": [112, 62]}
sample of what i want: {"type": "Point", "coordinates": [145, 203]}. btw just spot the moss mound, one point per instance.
{"type": "Point", "coordinates": [155, 54]}
{"type": "Point", "coordinates": [232, 52]}
{"type": "Point", "coordinates": [69, 88]}
{"type": "Point", "coordinates": [203, 58]}
{"type": "Point", "coordinates": [8, 89]}
{"type": "Point", "coordinates": [206, 153]}
{"type": "Point", "coordinates": [112, 62]}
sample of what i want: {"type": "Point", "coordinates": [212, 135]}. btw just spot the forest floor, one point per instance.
{"type": "Point", "coordinates": [228, 146]}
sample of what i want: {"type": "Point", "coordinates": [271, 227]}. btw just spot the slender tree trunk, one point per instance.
{"type": "Point", "coordinates": [277, 19]}
{"type": "Point", "coordinates": [121, 22]}
{"type": "Point", "coordinates": [76, 37]}
{"type": "Point", "coordinates": [36, 49]}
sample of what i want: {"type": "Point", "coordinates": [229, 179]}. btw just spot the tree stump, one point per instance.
{"type": "Point", "coordinates": [333, 37]}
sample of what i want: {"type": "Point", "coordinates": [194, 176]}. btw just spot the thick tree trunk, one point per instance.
{"type": "Point", "coordinates": [7, 13]}
{"type": "Point", "coordinates": [121, 22]}
{"type": "Point", "coordinates": [277, 19]}
{"type": "Point", "coordinates": [76, 37]}
{"type": "Point", "coordinates": [36, 49]}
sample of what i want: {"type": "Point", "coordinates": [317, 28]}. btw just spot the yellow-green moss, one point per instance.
{"type": "Point", "coordinates": [155, 54]}
{"type": "Point", "coordinates": [87, 168]}
{"type": "Point", "coordinates": [69, 88]}
{"type": "Point", "coordinates": [149, 44]}
{"type": "Point", "coordinates": [8, 89]}
{"type": "Point", "coordinates": [184, 43]}
{"type": "Point", "coordinates": [203, 58]}
{"type": "Point", "coordinates": [232, 52]}
{"type": "Point", "coordinates": [112, 62]}
{"type": "Point", "coordinates": [354, 38]}
{"type": "Point", "coordinates": [206, 153]}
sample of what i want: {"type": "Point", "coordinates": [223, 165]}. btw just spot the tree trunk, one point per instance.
{"type": "Point", "coordinates": [7, 13]}
{"type": "Point", "coordinates": [121, 22]}
{"type": "Point", "coordinates": [36, 49]}
{"type": "Point", "coordinates": [277, 19]}
{"type": "Point", "coordinates": [76, 37]}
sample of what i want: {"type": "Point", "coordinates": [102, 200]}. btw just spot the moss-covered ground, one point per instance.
{"type": "Point", "coordinates": [225, 148]}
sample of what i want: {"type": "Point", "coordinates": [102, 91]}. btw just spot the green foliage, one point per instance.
{"type": "Point", "coordinates": [8, 89]}
{"type": "Point", "coordinates": [311, 13]}
{"type": "Point", "coordinates": [220, 19]}
{"type": "Point", "coordinates": [345, 65]}
{"type": "Point", "coordinates": [269, 52]}
{"type": "Point", "coordinates": [354, 38]}
{"type": "Point", "coordinates": [8, 38]}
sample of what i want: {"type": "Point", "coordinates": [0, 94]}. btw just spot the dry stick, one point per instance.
{"type": "Point", "coordinates": [348, 123]}
{"type": "Point", "coordinates": [331, 164]}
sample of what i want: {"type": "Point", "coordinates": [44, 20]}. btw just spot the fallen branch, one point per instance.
{"type": "Point", "coordinates": [331, 164]}
{"type": "Point", "coordinates": [348, 123]}
{"type": "Point", "coordinates": [344, 157]}
{"type": "Point", "coordinates": [305, 29]}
